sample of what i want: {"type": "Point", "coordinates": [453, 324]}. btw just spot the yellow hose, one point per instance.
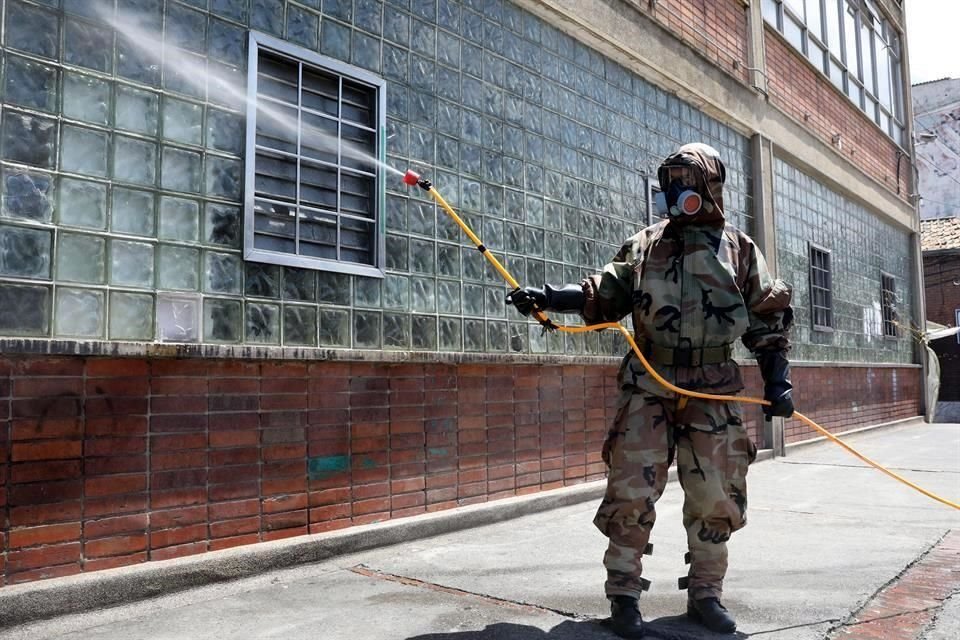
{"type": "Point", "coordinates": [656, 376]}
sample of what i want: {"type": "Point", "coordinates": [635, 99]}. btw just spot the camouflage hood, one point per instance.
{"type": "Point", "coordinates": [712, 176]}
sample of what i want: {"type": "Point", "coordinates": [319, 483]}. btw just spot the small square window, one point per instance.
{"type": "Point", "coordinates": [315, 189]}
{"type": "Point", "coordinates": [888, 304]}
{"type": "Point", "coordinates": [821, 289]}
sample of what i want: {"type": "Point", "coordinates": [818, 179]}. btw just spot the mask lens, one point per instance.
{"type": "Point", "coordinates": [689, 202]}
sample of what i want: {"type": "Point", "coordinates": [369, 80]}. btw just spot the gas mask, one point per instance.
{"type": "Point", "coordinates": [678, 200]}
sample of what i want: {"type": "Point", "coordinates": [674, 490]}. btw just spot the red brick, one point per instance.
{"type": "Point", "coordinates": [45, 513]}
{"type": "Point", "coordinates": [45, 556]}
{"type": "Point", "coordinates": [115, 546]}
{"type": "Point", "coordinates": [235, 541]}
{"type": "Point", "coordinates": [46, 573]}
{"type": "Point", "coordinates": [179, 535]}
{"type": "Point", "coordinates": [112, 562]}
{"type": "Point", "coordinates": [45, 471]}
{"type": "Point", "coordinates": [47, 450]}
{"type": "Point", "coordinates": [47, 534]}
{"type": "Point", "coordinates": [114, 485]}
{"type": "Point", "coordinates": [106, 527]}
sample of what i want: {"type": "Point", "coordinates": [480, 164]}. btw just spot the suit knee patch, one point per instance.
{"type": "Point", "coordinates": [644, 584]}
{"type": "Point", "coordinates": [648, 550]}
{"type": "Point", "coordinates": [683, 583]}
{"type": "Point", "coordinates": [686, 558]}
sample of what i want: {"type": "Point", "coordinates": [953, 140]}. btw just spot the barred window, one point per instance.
{"type": "Point", "coordinates": [314, 188]}
{"type": "Point", "coordinates": [821, 289]}
{"type": "Point", "coordinates": [888, 300]}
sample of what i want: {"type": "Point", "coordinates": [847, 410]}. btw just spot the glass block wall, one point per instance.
{"type": "Point", "coordinates": [861, 246]}
{"type": "Point", "coordinates": [122, 182]}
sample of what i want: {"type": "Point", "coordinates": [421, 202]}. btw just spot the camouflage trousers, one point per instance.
{"type": "Point", "coordinates": [712, 450]}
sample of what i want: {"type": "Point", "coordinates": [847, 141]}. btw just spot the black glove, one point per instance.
{"type": "Point", "coordinates": [566, 299]}
{"type": "Point", "coordinates": [775, 371]}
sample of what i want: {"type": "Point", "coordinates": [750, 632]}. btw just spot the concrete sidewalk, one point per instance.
{"type": "Point", "coordinates": [833, 550]}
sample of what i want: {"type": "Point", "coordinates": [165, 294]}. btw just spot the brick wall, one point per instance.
{"type": "Point", "coordinates": [795, 87]}
{"type": "Point", "coordinates": [715, 28]}
{"type": "Point", "coordinates": [943, 299]}
{"type": "Point", "coordinates": [111, 462]}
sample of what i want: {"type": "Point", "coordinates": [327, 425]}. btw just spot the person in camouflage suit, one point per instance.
{"type": "Point", "coordinates": [694, 284]}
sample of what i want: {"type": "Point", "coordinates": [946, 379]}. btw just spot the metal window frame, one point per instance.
{"type": "Point", "coordinates": [653, 188]}
{"type": "Point", "coordinates": [888, 309]}
{"type": "Point", "coordinates": [256, 42]}
{"type": "Point", "coordinates": [827, 254]}
{"type": "Point", "coordinates": [869, 103]}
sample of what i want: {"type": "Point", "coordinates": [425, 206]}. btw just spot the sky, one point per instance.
{"type": "Point", "coordinates": [932, 39]}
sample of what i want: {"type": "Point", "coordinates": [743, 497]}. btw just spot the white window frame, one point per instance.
{"type": "Point", "coordinates": [257, 42]}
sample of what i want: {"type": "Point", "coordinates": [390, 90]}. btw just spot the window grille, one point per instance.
{"type": "Point", "coordinates": [888, 300]}
{"type": "Point", "coordinates": [314, 188]}
{"type": "Point", "coordinates": [821, 289]}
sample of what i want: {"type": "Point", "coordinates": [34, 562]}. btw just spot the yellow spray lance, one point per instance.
{"type": "Point", "coordinates": [413, 179]}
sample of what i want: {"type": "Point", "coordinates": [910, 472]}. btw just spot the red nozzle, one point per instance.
{"type": "Point", "coordinates": [411, 178]}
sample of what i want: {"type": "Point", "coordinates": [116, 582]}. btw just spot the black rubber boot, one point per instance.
{"type": "Point", "coordinates": [711, 614]}
{"type": "Point", "coordinates": [625, 617]}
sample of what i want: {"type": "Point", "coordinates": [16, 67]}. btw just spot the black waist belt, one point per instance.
{"type": "Point", "coordinates": [685, 356]}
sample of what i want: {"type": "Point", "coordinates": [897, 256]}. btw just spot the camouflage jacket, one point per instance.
{"type": "Point", "coordinates": [696, 282]}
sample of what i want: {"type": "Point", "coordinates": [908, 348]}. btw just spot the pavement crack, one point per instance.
{"type": "Point", "coordinates": [367, 572]}
{"type": "Point", "coordinates": [795, 626]}
{"type": "Point", "coordinates": [863, 466]}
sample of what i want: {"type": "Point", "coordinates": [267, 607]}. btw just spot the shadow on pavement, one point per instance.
{"type": "Point", "coordinates": [666, 628]}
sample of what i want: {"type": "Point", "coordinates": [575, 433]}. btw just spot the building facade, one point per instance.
{"type": "Point", "coordinates": [225, 319]}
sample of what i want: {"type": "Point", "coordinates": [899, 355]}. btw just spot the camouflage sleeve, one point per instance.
{"type": "Point", "coordinates": [609, 294]}
{"type": "Point", "coordinates": [768, 302]}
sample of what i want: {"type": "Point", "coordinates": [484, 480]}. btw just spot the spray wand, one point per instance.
{"type": "Point", "coordinates": [412, 179]}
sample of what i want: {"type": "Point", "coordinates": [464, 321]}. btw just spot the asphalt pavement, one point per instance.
{"type": "Point", "coordinates": [833, 549]}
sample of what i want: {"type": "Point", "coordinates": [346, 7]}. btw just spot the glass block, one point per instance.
{"type": "Point", "coordinates": [335, 40]}
{"type": "Point", "coordinates": [396, 330]}
{"type": "Point", "coordinates": [30, 84]}
{"type": "Point", "coordinates": [497, 336]}
{"type": "Point", "coordinates": [27, 195]}
{"type": "Point", "coordinates": [233, 9]}
{"type": "Point", "coordinates": [24, 310]}
{"type": "Point", "coordinates": [223, 273]}
{"type": "Point", "coordinates": [366, 52]}
{"type": "Point", "coordinates": [333, 288]}
{"type": "Point", "coordinates": [302, 27]}
{"type": "Point", "coordinates": [423, 331]}
{"type": "Point", "coordinates": [396, 292]}
{"type": "Point", "coordinates": [448, 260]}
{"type": "Point", "coordinates": [137, 65]}
{"type": "Point", "coordinates": [182, 121]}
{"type": "Point", "coordinates": [299, 284]}
{"type": "Point", "coordinates": [449, 334]}
{"type": "Point", "coordinates": [267, 15]}
{"type": "Point", "coordinates": [222, 320]}
{"type": "Point", "coordinates": [178, 318]}
{"type": "Point", "coordinates": [32, 29]}
{"type": "Point", "coordinates": [226, 42]}
{"type": "Point", "coordinates": [135, 161]}
{"type": "Point", "coordinates": [474, 335]}
{"type": "Point", "coordinates": [224, 131]}
{"type": "Point", "coordinates": [422, 257]}
{"type": "Point", "coordinates": [368, 15]}
{"type": "Point", "coordinates": [396, 26]}
{"type": "Point", "coordinates": [84, 151]}
{"type": "Point", "coordinates": [448, 296]}
{"type": "Point", "coordinates": [131, 264]}
{"type": "Point", "coordinates": [87, 45]}
{"type": "Point", "coordinates": [179, 219]}
{"type": "Point", "coordinates": [131, 316]}
{"type": "Point", "coordinates": [423, 295]}
{"type": "Point", "coordinates": [178, 268]}
{"type": "Point", "coordinates": [24, 252]}
{"type": "Point", "coordinates": [185, 28]}
{"type": "Point", "coordinates": [473, 300]}
{"type": "Point", "coordinates": [495, 301]}
{"type": "Point", "coordinates": [29, 139]}
{"type": "Point", "coordinates": [136, 110]}
{"type": "Point", "coordinates": [186, 73]}
{"type": "Point", "coordinates": [224, 178]}
{"type": "Point", "coordinates": [81, 258]}
{"type": "Point", "coordinates": [300, 325]}
{"type": "Point", "coordinates": [262, 323]}
{"type": "Point", "coordinates": [132, 212]}
{"type": "Point", "coordinates": [86, 98]}
{"type": "Point", "coordinates": [397, 252]}
{"type": "Point", "coordinates": [366, 329]}
{"type": "Point", "coordinates": [366, 292]}
{"type": "Point", "coordinates": [222, 225]}
{"type": "Point", "coordinates": [262, 280]}
{"type": "Point", "coordinates": [181, 170]}
{"type": "Point", "coordinates": [334, 328]}
{"type": "Point", "coordinates": [79, 313]}
{"type": "Point", "coordinates": [518, 337]}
